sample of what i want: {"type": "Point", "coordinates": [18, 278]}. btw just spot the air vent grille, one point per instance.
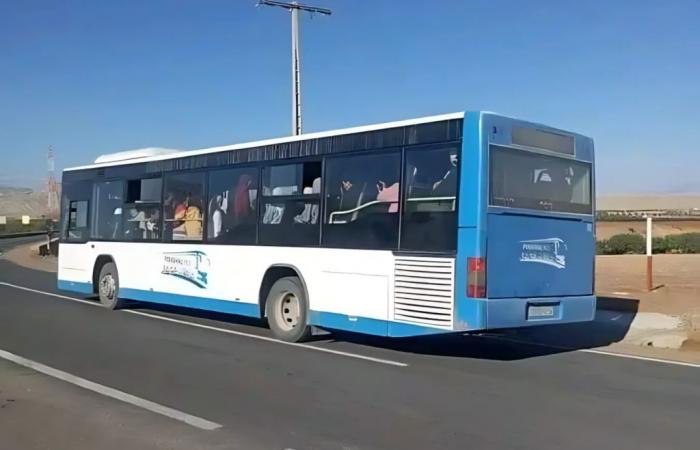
{"type": "Point", "coordinates": [424, 291]}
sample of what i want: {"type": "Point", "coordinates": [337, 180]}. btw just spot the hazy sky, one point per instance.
{"type": "Point", "coordinates": [92, 77]}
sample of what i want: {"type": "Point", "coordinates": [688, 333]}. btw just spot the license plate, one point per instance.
{"type": "Point", "coordinates": [540, 311]}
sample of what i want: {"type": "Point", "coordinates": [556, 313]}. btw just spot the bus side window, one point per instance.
{"type": "Point", "coordinates": [107, 215]}
{"type": "Point", "coordinates": [291, 196]}
{"type": "Point", "coordinates": [183, 206]}
{"type": "Point", "coordinates": [141, 213]}
{"type": "Point", "coordinates": [362, 201]}
{"type": "Point", "coordinates": [232, 206]}
{"type": "Point", "coordinates": [77, 220]}
{"type": "Point", "coordinates": [430, 200]}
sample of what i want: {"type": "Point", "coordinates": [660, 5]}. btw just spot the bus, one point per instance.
{"type": "Point", "coordinates": [451, 223]}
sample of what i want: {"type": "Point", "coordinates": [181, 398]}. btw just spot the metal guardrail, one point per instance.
{"type": "Point", "coordinates": [25, 234]}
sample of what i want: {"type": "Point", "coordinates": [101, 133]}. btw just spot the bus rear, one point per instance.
{"type": "Point", "coordinates": [533, 262]}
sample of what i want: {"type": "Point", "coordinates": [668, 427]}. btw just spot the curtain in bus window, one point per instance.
{"type": "Point", "coordinates": [361, 195]}
{"type": "Point", "coordinates": [429, 214]}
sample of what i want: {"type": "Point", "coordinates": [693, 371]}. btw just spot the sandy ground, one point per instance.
{"type": "Point", "coordinates": [605, 230]}
{"type": "Point", "coordinates": [677, 278]}
{"type": "Point", "coordinates": [27, 255]}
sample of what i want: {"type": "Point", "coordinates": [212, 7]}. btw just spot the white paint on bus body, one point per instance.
{"type": "Point", "coordinates": [235, 273]}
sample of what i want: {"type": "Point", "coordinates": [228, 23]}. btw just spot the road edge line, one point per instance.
{"type": "Point", "coordinates": [107, 391]}
{"type": "Point", "coordinates": [222, 330]}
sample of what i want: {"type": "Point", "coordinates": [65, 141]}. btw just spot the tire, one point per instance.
{"type": "Point", "coordinates": [108, 287]}
{"type": "Point", "coordinates": [287, 310]}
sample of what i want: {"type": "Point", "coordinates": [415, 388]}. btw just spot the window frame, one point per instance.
{"type": "Point", "coordinates": [300, 197]}
{"type": "Point", "coordinates": [397, 150]}
{"type": "Point", "coordinates": [88, 222]}
{"type": "Point", "coordinates": [544, 153]}
{"type": "Point", "coordinates": [258, 170]}
{"type": "Point", "coordinates": [95, 199]}
{"type": "Point", "coordinates": [204, 211]}
{"type": "Point", "coordinates": [456, 145]}
{"type": "Point", "coordinates": [159, 204]}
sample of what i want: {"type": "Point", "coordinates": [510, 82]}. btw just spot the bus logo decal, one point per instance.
{"type": "Point", "coordinates": [550, 251]}
{"type": "Point", "coordinates": [190, 266]}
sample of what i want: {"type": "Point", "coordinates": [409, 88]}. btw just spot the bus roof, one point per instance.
{"type": "Point", "coordinates": [116, 159]}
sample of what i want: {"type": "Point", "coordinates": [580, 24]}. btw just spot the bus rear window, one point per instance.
{"type": "Point", "coordinates": [521, 179]}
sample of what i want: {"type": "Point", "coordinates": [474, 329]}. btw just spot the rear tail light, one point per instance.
{"type": "Point", "coordinates": [476, 277]}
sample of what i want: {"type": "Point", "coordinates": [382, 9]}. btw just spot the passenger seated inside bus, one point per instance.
{"type": "Point", "coordinates": [187, 220]}
{"type": "Point", "coordinates": [142, 223]}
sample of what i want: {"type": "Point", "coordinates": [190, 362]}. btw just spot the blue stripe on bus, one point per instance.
{"type": "Point", "coordinates": [190, 301]}
{"type": "Point", "coordinates": [319, 318]}
{"type": "Point", "coordinates": [75, 286]}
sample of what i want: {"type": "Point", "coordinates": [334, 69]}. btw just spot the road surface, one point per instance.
{"type": "Point", "coordinates": [338, 392]}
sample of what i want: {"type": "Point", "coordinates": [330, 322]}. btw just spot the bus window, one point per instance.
{"type": "Point", "coordinates": [183, 207]}
{"type": "Point", "coordinates": [362, 201]}
{"type": "Point", "coordinates": [141, 212]}
{"type": "Point", "coordinates": [232, 206]}
{"type": "Point", "coordinates": [430, 200]}
{"type": "Point", "coordinates": [75, 207]}
{"type": "Point", "coordinates": [77, 220]}
{"type": "Point", "coordinates": [107, 223]}
{"type": "Point", "coordinates": [521, 179]}
{"type": "Point", "coordinates": [291, 195]}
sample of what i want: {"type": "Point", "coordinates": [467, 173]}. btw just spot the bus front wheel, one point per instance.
{"type": "Point", "coordinates": [287, 310]}
{"type": "Point", "coordinates": [108, 287]}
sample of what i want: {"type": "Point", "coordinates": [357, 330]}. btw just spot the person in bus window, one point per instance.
{"type": "Point", "coordinates": [216, 216]}
{"type": "Point", "coordinates": [350, 196]}
{"type": "Point", "coordinates": [241, 197]}
{"type": "Point", "coordinates": [389, 194]}
{"type": "Point", "coordinates": [447, 185]}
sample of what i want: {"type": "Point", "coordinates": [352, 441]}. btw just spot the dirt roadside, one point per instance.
{"type": "Point", "coordinates": [27, 255]}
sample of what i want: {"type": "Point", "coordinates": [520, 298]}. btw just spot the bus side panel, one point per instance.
{"type": "Point", "coordinates": [75, 267]}
{"type": "Point", "coordinates": [470, 313]}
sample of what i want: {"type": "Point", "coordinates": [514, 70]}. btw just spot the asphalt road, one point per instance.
{"type": "Point", "coordinates": [432, 393]}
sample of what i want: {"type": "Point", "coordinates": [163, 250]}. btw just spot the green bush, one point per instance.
{"type": "Point", "coordinates": [622, 244]}
{"type": "Point", "coordinates": [601, 247]}
{"type": "Point", "coordinates": [683, 243]}
{"type": "Point", "coordinates": [659, 245]}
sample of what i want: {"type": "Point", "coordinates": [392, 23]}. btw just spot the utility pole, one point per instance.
{"type": "Point", "coordinates": [294, 8]}
{"type": "Point", "coordinates": [51, 187]}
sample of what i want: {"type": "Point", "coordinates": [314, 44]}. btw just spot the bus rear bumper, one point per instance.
{"type": "Point", "coordinates": [524, 312]}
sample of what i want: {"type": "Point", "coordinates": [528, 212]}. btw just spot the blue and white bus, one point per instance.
{"type": "Point", "coordinates": [451, 223]}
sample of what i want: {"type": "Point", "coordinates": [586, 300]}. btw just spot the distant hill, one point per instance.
{"type": "Point", "coordinates": [650, 201]}
{"type": "Point", "coordinates": [5, 189]}
{"type": "Point", "coordinates": [17, 202]}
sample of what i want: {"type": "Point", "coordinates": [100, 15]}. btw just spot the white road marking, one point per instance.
{"type": "Point", "coordinates": [269, 339]}
{"type": "Point", "coordinates": [65, 297]}
{"type": "Point", "coordinates": [594, 351]}
{"type": "Point", "coordinates": [353, 355]}
{"type": "Point", "coordinates": [221, 330]}
{"type": "Point", "coordinates": [195, 421]}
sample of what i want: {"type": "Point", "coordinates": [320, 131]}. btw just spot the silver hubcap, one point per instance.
{"type": "Point", "coordinates": [108, 287]}
{"type": "Point", "coordinates": [289, 311]}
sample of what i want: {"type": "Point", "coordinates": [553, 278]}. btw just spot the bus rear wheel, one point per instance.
{"type": "Point", "coordinates": [108, 287]}
{"type": "Point", "coordinates": [287, 310]}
